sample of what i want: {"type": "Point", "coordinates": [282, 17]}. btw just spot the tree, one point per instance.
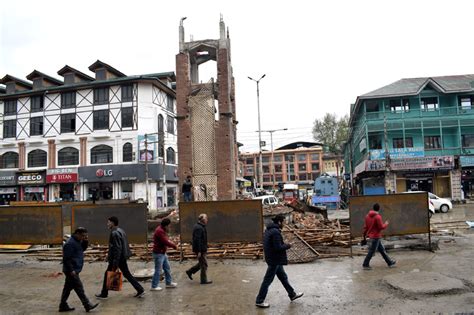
{"type": "Point", "coordinates": [331, 131]}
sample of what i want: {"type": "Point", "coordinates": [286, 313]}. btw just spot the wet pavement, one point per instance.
{"type": "Point", "coordinates": [331, 286]}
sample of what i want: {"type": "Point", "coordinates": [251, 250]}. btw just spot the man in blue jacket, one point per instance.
{"type": "Point", "coordinates": [275, 256]}
{"type": "Point", "coordinates": [73, 260]}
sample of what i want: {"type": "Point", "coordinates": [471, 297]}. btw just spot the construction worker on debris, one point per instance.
{"type": "Point", "coordinates": [275, 256]}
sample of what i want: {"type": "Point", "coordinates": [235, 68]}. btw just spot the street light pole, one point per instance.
{"type": "Point", "coordinates": [260, 168]}
{"type": "Point", "coordinates": [271, 144]}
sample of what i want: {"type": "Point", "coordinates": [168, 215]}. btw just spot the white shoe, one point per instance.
{"type": "Point", "coordinates": [156, 289]}
{"type": "Point", "coordinates": [262, 305]}
{"type": "Point", "coordinates": [172, 285]}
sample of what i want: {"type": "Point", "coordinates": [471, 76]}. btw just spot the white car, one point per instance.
{"type": "Point", "coordinates": [268, 200]}
{"type": "Point", "coordinates": [440, 204]}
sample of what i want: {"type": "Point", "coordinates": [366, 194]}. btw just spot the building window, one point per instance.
{"type": "Point", "coordinates": [101, 96]}
{"type": "Point", "coordinates": [101, 154]}
{"type": "Point", "coordinates": [265, 159]}
{"type": "Point", "coordinates": [398, 106]}
{"type": "Point", "coordinates": [9, 129]}
{"type": "Point", "coordinates": [468, 141]}
{"type": "Point", "coordinates": [315, 156]}
{"type": "Point", "coordinates": [9, 160]}
{"type": "Point", "coordinates": [278, 158]}
{"type": "Point", "coordinates": [170, 124]}
{"type": "Point", "coordinates": [289, 157]}
{"type": "Point", "coordinates": [278, 178]}
{"type": "Point", "coordinates": [68, 100]}
{"type": "Point", "coordinates": [127, 93]}
{"type": "Point", "coordinates": [278, 168]}
{"type": "Point", "coordinates": [36, 103]}
{"type": "Point", "coordinates": [266, 169]}
{"type": "Point", "coordinates": [68, 123]}
{"type": "Point", "coordinates": [36, 126]}
{"type": "Point", "coordinates": [301, 157]}
{"type": "Point", "coordinates": [249, 161]}
{"type": "Point", "coordinates": [398, 143]}
{"type": "Point", "coordinates": [161, 124]}
{"type": "Point", "coordinates": [432, 142]}
{"type": "Point", "coordinates": [249, 169]}
{"type": "Point", "coordinates": [170, 156]}
{"type": "Point", "coordinates": [466, 102]}
{"type": "Point", "coordinates": [302, 167]}
{"type": "Point", "coordinates": [37, 158]}
{"type": "Point", "coordinates": [429, 104]}
{"type": "Point", "coordinates": [127, 117]}
{"type": "Point", "coordinates": [267, 179]}
{"type": "Point", "coordinates": [9, 107]}
{"type": "Point", "coordinates": [302, 176]}
{"type": "Point", "coordinates": [127, 152]}
{"type": "Point", "coordinates": [127, 186]}
{"type": "Point", "coordinates": [315, 166]}
{"type": "Point", "coordinates": [169, 104]}
{"type": "Point", "coordinates": [101, 119]}
{"type": "Point", "coordinates": [161, 150]}
{"type": "Point", "coordinates": [68, 156]}
{"type": "Point", "coordinates": [375, 142]}
{"type": "Point", "coordinates": [171, 194]}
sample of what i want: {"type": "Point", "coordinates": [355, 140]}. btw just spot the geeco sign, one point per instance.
{"type": "Point", "coordinates": [30, 178]}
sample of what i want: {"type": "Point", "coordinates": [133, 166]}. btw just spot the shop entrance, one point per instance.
{"type": "Point", "coordinates": [419, 184]}
{"type": "Point", "coordinates": [66, 192]}
{"type": "Point", "coordinates": [101, 191]}
{"type": "Point", "coordinates": [5, 199]}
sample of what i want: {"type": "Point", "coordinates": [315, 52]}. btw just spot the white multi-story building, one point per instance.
{"type": "Point", "coordinates": [84, 137]}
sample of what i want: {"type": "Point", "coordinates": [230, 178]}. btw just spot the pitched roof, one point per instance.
{"type": "Point", "coordinates": [100, 64]}
{"type": "Point", "coordinates": [80, 74]}
{"type": "Point", "coordinates": [8, 78]}
{"type": "Point", "coordinates": [299, 144]}
{"type": "Point", "coordinates": [46, 77]}
{"type": "Point", "coordinates": [413, 86]}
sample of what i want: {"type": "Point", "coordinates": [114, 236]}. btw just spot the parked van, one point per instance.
{"type": "Point", "coordinates": [268, 200]}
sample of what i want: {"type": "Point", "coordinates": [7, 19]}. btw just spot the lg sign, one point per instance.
{"type": "Point", "coordinates": [103, 173]}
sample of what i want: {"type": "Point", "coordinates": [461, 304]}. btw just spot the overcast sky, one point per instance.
{"type": "Point", "coordinates": [318, 56]}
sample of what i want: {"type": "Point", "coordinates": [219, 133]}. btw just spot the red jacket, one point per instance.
{"type": "Point", "coordinates": [161, 241]}
{"type": "Point", "coordinates": [373, 225]}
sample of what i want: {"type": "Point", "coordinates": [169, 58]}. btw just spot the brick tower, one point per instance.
{"type": "Point", "coordinates": [207, 147]}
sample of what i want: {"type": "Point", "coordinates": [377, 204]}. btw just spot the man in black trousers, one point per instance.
{"type": "Point", "coordinates": [200, 249]}
{"type": "Point", "coordinates": [119, 252]}
{"type": "Point", "coordinates": [275, 256]}
{"type": "Point", "coordinates": [73, 261]}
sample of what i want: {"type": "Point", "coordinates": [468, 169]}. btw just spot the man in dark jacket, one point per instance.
{"type": "Point", "coordinates": [373, 227]}
{"type": "Point", "coordinates": [73, 261]}
{"type": "Point", "coordinates": [160, 244]}
{"type": "Point", "coordinates": [186, 189]}
{"type": "Point", "coordinates": [275, 256]}
{"type": "Point", "coordinates": [119, 252]}
{"type": "Point", "coordinates": [200, 249]}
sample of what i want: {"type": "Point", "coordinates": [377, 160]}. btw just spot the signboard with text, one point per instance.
{"type": "Point", "coordinates": [425, 163]}
{"type": "Point", "coordinates": [62, 175]}
{"type": "Point", "coordinates": [148, 153]}
{"type": "Point", "coordinates": [30, 178]}
{"type": "Point", "coordinates": [397, 153]}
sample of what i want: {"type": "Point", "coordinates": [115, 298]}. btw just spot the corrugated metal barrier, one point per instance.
{"type": "Point", "coordinates": [229, 221]}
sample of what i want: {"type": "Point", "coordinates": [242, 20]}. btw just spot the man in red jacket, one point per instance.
{"type": "Point", "coordinates": [373, 227]}
{"type": "Point", "coordinates": [160, 243]}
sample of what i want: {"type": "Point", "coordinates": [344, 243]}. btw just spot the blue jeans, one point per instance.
{"type": "Point", "coordinates": [188, 196]}
{"type": "Point", "coordinates": [273, 270]}
{"type": "Point", "coordinates": [375, 244]}
{"type": "Point", "coordinates": [161, 260]}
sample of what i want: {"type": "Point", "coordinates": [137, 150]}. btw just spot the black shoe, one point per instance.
{"type": "Point", "coordinates": [90, 307]}
{"type": "Point", "coordinates": [190, 275]}
{"type": "Point", "coordinates": [100, 296]}
{"type": "Point", "coordinates": [392, 264]}
{"type": "Point", "coordinates": [296, 296]}
{"type": "Point", "coordinates": [140, 294]}
{"type": "Point", "coordinates": [206, 282]}
{"type": "Point", "coordinates": [66, 308]}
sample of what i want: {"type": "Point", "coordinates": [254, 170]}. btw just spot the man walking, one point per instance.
{"type": "Point", "coordinates": [119, 252]}
{"type": "Point", "coordinates": [186, 189]}
{"type": "Point", "coordinates": [73, 261]}
{"type": "Point", "coordinates": [200, 249]}
{"type": "Point", "coordinates": [373, 227]}
{"type": "Point", "coordinates": [275, 256]}
{"type": "Point", "coordinates": [160, 244]}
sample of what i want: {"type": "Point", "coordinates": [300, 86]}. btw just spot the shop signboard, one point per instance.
{"type": "Point", "coordinates": [325, 199]}
{"type": "Point", "coordinates": [466, 160]}
{"type": "Point", "coordinates": [417, 163]}
{"type": "Point", "coordinates": [397, 153]}
{"type": "Point", "coordinates": [112, 173]}
{"type": "Point", "coordinates": [7, 178]}
{"type": "Point", "coordinates": [148, 153]}
{"type": "Point", "coordinates": [31, 178]}
{"type": "Point", "coordinates": [61, 175]}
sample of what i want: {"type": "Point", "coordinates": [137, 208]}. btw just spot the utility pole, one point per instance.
{"type": "Point", "coordinates": [260, 168]}
{"type": "Point", "coordinates": [146, 169]}
{"type": "Point", "coordinates": [388, 184]}
{"type": "Point", "coordinates": [272, 158]}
